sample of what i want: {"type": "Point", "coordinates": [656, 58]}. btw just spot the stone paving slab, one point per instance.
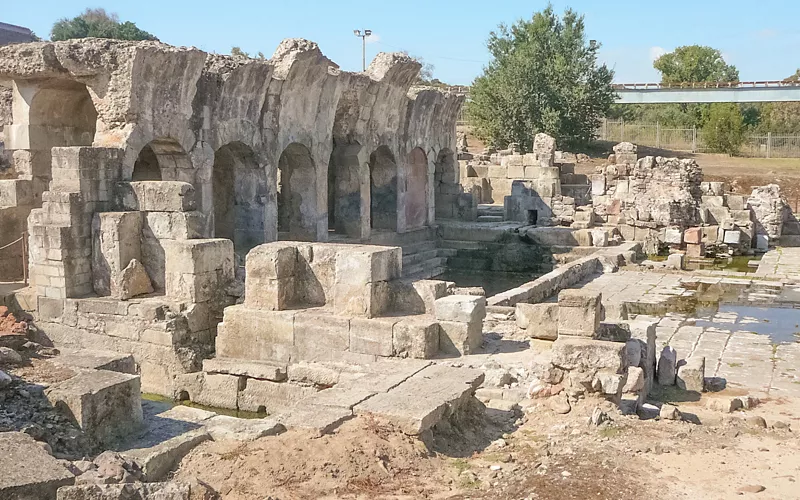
{"type": "Point", "coordinates": [423, 400]}
{"type": "Point", "coordinates": [27, 471]}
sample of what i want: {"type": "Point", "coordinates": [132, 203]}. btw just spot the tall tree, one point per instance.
{"type": "Point", "coordinates": [695, 63]}
{"type": "Point", "coordinates": [97, 23]}
{"type": "Point", "coordinates": [543, 77]}
{"type": "Point", "coordinates": [723, 131]}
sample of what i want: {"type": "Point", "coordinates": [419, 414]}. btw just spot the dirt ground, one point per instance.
{"type": "Point", "coordinates": [539, 455]}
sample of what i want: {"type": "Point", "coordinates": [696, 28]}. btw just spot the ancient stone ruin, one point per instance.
{"type": "Point", "coordinates": [188, 239]}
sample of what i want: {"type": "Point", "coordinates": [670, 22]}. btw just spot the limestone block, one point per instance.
{"type": "Point", "coordinates": [587, 355]}
{"type": "Point", "coordinates": [633, 352]}
{"type": "Point", "coordinates": [116, 240]}
{"type": "Point", "coordinates": [320, 336]}
{"type": "Point", "coordinates": [274, 397]}
{"type": "Point", "coordinates": [368, 263]}
{"type": "Point", "coordinates": [712, 201]}
{"type": "Point", "coordinates": [691, 374]}
{"type": "Point", "coordinates": [579, 312]}
{"type": "Point", "coordinates": [675, 261]}
{"type": "Point", "coordinates": [667, 366]}
{"type": "Point", "coordinates": [372, 336]}
{"type": "Point", "coordinates": [134, 281]}
{"type": "Point", "coordinates": [512, 160]}
{"type": "Point", "coordinates": [16, 192]}
{"type": "Point", "coordinates": [693, 235]}
{"type": "Point", "coordinates": [217, 390]}
{"type": "Point", "coordinates": [540, 320]}
{"type": "Point", "coordinates": [461, 308]}
{"type": "Point", "coordinates": [429, 291]}
{"type": "Point", "coordinates": [598, 185]}
{"type": "Point", "coordinates": [155, 196]}
{"type": "Point", "coordinates": [255, 335]}
{"type": "Point", "coordinates": [610, 384]}
{"type": "Point", "coordinates": [29, 472]}
{"type": "Point", "coordinates": [265, 370]}
{"type": "Point", "coordinates": [736, 201]}
{"type": "Point", "coordinates": [416, 337]}
{"type": "Point", "coordinates": [673, 236]}
{"type": "Point", "coordinates": [762, 242]}
{"type": "Point", "coordinates": [366, 301]}
{"type": "Point", "coordinates": [695, 251]}
{"type": "Point", "coordinates": [106, 405]}
{"type": "Point", "coordinates": [613, 332]}
{"type": "Point", "coordinates": [496, 171]}
{"type": "Point", "coordinates": [196, 270]}
{"type": "Point", "coordinates": [741, 217]}
{"type": "Point", "coordinates": [732, 237]}
{"type": "Point", "coordinates": [459, 339]}
{"type": "Point", "coordinates": [615, 311]}
{"type": "Point", "coordinates": [599, 237]}
{"type": "Point", "coordinates": [174, 225]}
{"type": "Point", "coordinates": [516, 172]}
{"type": "Point", "coordinates": [635, 382]}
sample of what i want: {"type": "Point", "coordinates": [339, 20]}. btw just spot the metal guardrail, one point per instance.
{"type": "Point", "coordinates": [705, 85]}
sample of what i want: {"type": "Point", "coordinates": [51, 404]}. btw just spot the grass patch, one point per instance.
{"type": "Point", "coordinates": [609, 432]}
{"type": "Point", "coordinates": [735, 365]}
{"type": "Point", "coordinates": [460, 465]}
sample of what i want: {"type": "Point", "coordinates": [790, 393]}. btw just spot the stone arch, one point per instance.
{"type": "Point", "coordinates": [62, 114]}
{"type": "Point", "coordinates": [297, 194]}
{"type": "Point", "coordinates": [345, 208]}
{"type": "Point", "coordinates": [163, 159]}
{"type": "Point", "coordinates": [445, 182]}
{"type": "Point", "coordinates": [416, 199]}
{"type": "Point", "coordinates": [239, 188]}
{"type": "Point", "coordinates": [383, 189]}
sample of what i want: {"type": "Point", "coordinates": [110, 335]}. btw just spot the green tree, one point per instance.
{"type": "Point", "coordinates": [695, 63]}
{"type": "Point", "coordinates": [238, 52]}
{"type": "Point", "coordinates": [97, 23]}
{"type": "Point", "coordinates": [723, 131]}
{"type": "Point", "coordinates": [543, 77]}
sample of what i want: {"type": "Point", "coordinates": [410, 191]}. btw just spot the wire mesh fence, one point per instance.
{"type": "Point", "coordinates": [654, 135]}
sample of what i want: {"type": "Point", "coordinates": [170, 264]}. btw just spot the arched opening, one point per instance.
{"type": "Point", "coordinates": [383, 189]}
{"type": "Point", "coordinates": [416, 199]}
{"type": "Point", "coordinates": [62, 114]}
{"type": "Point", "coordinates": [344, 190]}
{"type": "Point", "coordinates": [239, 187]}
{"type": "Point", "coordinates": [146, 167]}
{"type": "Point", "coordinates": [445, 181]}
{"type": "Point", "coordinates": [297, 194]}
{"type": "Point", "coordinates": [163, 159]}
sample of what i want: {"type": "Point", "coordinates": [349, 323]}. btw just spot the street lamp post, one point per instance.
{"type": "Point", "coordinates": [363, 37]}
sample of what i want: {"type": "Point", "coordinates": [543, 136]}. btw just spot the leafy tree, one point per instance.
{"type": "Point", "coordinates": [238, 52]}
{"type": "Point", "coordinates": [723, 132]}
{"type": "Point", "coordinates": [543, 77]}
{"type": "Point", "coordinates": [97, 23]}
{"type": "Point", "coordinates": [695, 63]}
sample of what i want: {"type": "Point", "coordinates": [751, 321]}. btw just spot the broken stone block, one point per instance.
{"type": "Point", "coordinates": [253, 369]}
{"type": "Point", "coordinates": [599, 237]}
{"type": "Point", "coordinates": [615, 311]}
{"type": "Point", "coordinates": [216, 390]}
{"type": "Point", "coordinates": [156, 196]}
{"type": "Point", "coordinates": [106, 405]}
{"type": "Point", "coordinates": [667, 366]}
{"type": "Point", "coordinates": [691, 374]}
{"type": "Point", "coordinates": [460, 339]}
{"type": "Point", "coordinates": [633, 352]}
{"type": "Point", "coordinates": [724, 404]}
{"type": "Point", "coordinates": [610, 384]}
{"type": "Point", "coordinates": [673, 236]}
{"type": "Point", "coordinates": [255, 335]}
{"type": "Point", "coordinates": [669, 412]}
{"type": "Point", "coordinates": [196, 270]}
{"type": "Point", "coordinates": [635, 382]}
{"type": "Point", "coordinates": [732, 237]}
{"type": "Point", "coordinates": [269, 269]}
{"type": "Point", "coordinates": [372, 336]}
{"type": "Point", "coordinates": [613, 332]}
{"type": "Point", "coordinates": [598, 185]}
{"type": "Point", "coordinates": [316, 418]}
{"type": "Point", "coordinates": [579, 313]}
{"type": "Point", "coordinates": [272, 397]}
{"type": "Point", "coordinates": [134, 281]}
{"type": "Point", "coordinates": [540, 320]}
{"type": "Point", "coordinates": [416, 338]}
{"type": "Point", "coordinates": [28, 471]}
{"type": "Point", "coordinates": [675, 261]}
{"type": "Point", "coordinates": [583, 354]}
{"type": "Point", "coordinates": [693, 235]}
{"type": "Point", "coordinates": [116, 241]}
{"type": "Point", "coordinates": [461, 308]}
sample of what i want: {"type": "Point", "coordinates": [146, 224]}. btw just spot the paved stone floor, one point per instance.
{"type": "Point", "coordinates": [693, 318]}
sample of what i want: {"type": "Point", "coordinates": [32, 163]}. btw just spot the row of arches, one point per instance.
{"type": "Point", "coordinates": [362, 190]}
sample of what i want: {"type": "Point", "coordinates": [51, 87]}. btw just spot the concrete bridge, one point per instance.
{"type": "Point", "coordinates": [738, 92]}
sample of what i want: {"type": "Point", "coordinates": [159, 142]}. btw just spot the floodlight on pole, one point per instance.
{"type": "Point", "coordinates": [363, 38]}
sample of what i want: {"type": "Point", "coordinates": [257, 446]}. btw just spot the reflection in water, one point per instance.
{"type": "Point", "coordinates": [781, 324]}
{"type": "Point", "coordinates": [221, 411]}
{"type": "Point", "coordinates": [492, 282]}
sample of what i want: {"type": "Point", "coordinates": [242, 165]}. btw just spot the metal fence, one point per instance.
{"type": "Point", "coordinates": [654, 135]}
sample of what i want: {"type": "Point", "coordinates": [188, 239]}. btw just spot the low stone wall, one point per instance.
{"type": "Point", "coordinates": [567, 275]}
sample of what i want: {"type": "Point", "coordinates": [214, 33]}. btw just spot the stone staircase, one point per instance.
{"type": "Point", "coordinates": [424, 260]}
{"type": "Point", "coordinates": [490, 213]}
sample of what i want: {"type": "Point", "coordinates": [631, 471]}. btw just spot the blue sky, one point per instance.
{"type": "Point", "coordinates": [761, 38]}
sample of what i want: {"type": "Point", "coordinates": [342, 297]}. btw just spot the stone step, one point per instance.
{"type": "Point", "coordinates": [416, 258]}
{"type": "Point", "coordinates": [425, 267]}
{"type": "Point", "coordinates": [462, 245]}
{"type": "Point", "coordinates": [447, 252]}
{"type": "Point", "coordinates": [417, 247]}
{"type": "Point", "coordinates": [790, 241]}
{"type": "Point", "coordinates": [490, 218]}
{"type": "Point", "coordinates": [427, 274]}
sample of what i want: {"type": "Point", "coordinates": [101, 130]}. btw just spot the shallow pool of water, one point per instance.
{"type": "Point", "coordinates": [221, 411]}
{"type": "Point", "coordinates": [780, 324]}
{"type": "Point", "coordinates": [492, 282]}
{"type": "Point", "coordinates": [740, 263]}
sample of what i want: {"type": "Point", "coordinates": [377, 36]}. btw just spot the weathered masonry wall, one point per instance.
{"type": "Point", "coordinates": [290, 147]}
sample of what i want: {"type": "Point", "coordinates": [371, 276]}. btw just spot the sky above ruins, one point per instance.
{"type": "Point", "coordinates": [761, 40]}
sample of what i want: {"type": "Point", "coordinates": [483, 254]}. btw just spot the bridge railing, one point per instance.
{"type": "Point", "coordinates": [705, 85]}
